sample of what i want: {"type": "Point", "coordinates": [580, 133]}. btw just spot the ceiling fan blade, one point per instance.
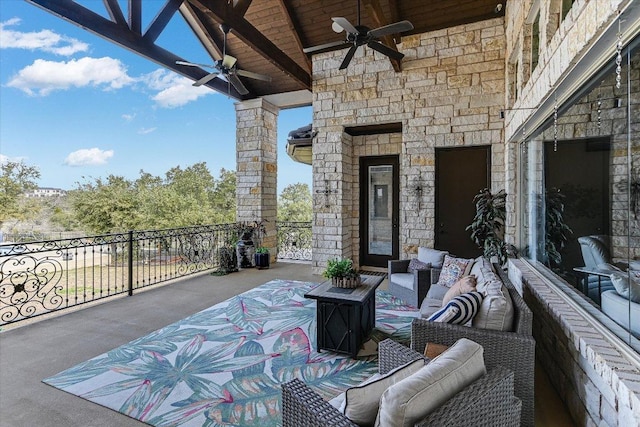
{"type": "Point", "coordinates": [206, 79]}
{"type": "Point", "coordinates": [398, 27]}
{"type": "Point", "coordinates": [252, 75]}
{"type": "Point", "coordinates": [235, 81]}
{"type": "Point", "coordinates": [194, 64]}
{"type": "Point", "coordinates": [344, 23]}
{"type": "Point", "coordinates": [229, 61]}
{"type": "Point", "coordinates": [325, 46]}
{"type": "Point", "coordinates": [385, 50]}
{"type": "Point", "coordinates": [347, 57]}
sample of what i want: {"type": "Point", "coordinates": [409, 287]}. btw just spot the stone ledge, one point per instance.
{"type": "Point", "coordinates": [601, 384]}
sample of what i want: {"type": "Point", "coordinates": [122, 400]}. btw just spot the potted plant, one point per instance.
{"type": "Point", "coordinates": [342, 273]}
{"type": "Point", "coordinates": [262, 257]}
{"type": "Point", "coordinates": [487, 228]}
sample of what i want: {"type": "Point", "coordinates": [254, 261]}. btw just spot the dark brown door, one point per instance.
{"type": "Point", "coordinates": [379, 210]}
{"type": "Point", "coordinates": [460, 174]}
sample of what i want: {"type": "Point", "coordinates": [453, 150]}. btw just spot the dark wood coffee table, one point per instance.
{"type": "Point", "coordinates": [345, 317]}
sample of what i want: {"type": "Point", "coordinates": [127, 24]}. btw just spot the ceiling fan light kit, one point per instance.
{"type": "Point", "coordinates": [226, 67]}
{"type": "Point", "coordinates": [359, 35]}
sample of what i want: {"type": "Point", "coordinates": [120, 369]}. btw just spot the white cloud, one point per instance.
{"type": "Point", "coordinates": [174, 90]}
{"type": "Point", "coordinates": [44, 40]}
{"type": "Point", "coordinates": [145, 131]}
{"type": "Point", "coordinates": [3, 159]}
{"type": "Point", "coordinates": [128, 117]}
{"type": "Point", "coordinates": [88, 157]}
{"type": "Point", "coordinates": [43, 77]}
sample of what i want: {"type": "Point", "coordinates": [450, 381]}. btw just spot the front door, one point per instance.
{"type": "Point", "coordinates": [460, 174]}
{"type": "Point", "coordinates": [379, 201]}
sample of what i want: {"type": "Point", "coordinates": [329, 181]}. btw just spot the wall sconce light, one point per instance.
{"type": "Point", "coordinates": [418, 189]}
{"type": "Point", "coordinates": [327, 191]}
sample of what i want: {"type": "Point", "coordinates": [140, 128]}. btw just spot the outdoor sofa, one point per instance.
{"type": "Point", "coordinates": [512, 347]}
{"type": "Point", "coordinates": [487, 401]}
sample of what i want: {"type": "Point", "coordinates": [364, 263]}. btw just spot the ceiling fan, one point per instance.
{"type": "Point", "coordinates": [359, 35]}
{"type": "Point", "coordinates": [226, 67]}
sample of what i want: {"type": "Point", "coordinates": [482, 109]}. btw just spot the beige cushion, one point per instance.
{"type": "Point", "coordinates": [478, 264]}
{"type": "Point", "coordinates": [496, 311]}
{"type": "Point", "coordinates": [629, 289]}
{"type": "Point", "coordinates": [462, 286]}
{"type": "Point", "coordinates": [362, 401]}
{"type": "Point", "coordinates": [413, 398]}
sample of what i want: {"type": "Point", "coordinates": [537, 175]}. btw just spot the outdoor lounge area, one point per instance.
{"type": "Point", "coordinates": [47, 347]}
{"type": "Point", "coordinates": [418, 107]}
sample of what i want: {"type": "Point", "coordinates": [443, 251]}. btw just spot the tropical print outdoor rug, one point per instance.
{"type": "Point", "coordinates": [224, 365]}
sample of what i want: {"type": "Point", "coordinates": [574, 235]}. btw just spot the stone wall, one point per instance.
{"type": "Point", "coordinates": [449, 94]}
{"type": "Point", "coordinates": [595, 378]}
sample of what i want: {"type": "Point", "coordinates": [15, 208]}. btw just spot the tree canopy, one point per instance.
{"type": "Point", "coordinates": [295, 203]}
{"type": "Point", "coordinates": [16, 178]}
{"type": "Point", "coordinates": [184, 197]}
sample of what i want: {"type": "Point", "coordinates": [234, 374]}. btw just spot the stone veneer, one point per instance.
{"type": "Point", "coordinates": [256, 166]}
{"type": "Point", "coordinates": [449, 94]}
{"type": "Point", "coordinates": [596, 380]}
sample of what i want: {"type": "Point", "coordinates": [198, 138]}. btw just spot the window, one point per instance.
{"type": "Point", "coordinates": [535, 42]}
{"type": "Point", "coordinates": [566, 7]}
{"type": "Point", "coordinates": [580, 196]}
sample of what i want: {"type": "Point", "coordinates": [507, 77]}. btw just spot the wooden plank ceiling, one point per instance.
{"type": "Point", "coordinates": [267, 36]}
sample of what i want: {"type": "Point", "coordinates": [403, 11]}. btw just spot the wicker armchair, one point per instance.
{"type": "Point", "coordinates": [489, 401]}
{"type": "Point", "coordinates": [417, 283]}
{"type": "Point", "coordinates": [514, 350]}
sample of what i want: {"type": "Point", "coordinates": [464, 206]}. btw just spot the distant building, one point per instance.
{"type": "Point", "coordinates": [46, 192]}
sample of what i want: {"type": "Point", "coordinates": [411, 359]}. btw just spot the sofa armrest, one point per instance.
{"type": "Point", "coordinates": [303, 407]}
{"type": "Point", "coordinates": [487, 401]}
{"type": "Point", "coordinates": [515, 352]}
{"type": "Point", "coordinates": [392, 354]}
{"type": "Point", "coordinates": [398, 266]}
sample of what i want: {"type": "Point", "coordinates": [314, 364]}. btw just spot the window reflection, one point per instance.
{"type": "Point", "coordinates": [580, 184]}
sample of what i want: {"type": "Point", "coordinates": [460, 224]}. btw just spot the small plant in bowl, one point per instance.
{"type": "Point", "coordinates": [342, 273]}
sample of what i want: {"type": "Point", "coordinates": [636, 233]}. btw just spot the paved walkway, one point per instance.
{"type": "Point", "coordinates": [41, 349]}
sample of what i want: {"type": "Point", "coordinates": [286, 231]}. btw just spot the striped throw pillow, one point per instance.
{"type": "Point", "coordinates": [459, 310]}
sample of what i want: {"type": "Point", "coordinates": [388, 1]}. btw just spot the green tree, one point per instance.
{"type": "Point", "coordinates": [106, 206]}
{"type": "Point", "coordinates": [184, 197]}
{"type": "Point", "coordinates": [16, 179]}
{"type": "Point", "coordinates": [223, 198]}
{"type": "Point", "coordinates": [295, 204]}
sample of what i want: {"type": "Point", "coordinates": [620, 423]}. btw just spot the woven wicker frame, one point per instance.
{"type": "Point", "coordinates": [489, 401]}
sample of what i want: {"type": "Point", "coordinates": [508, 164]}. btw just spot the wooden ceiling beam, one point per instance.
{"type": "Point", "coordinates": [201, 29]}
{"type": "Point", "coordinates": [252, 37]}
{"type": "Point", "coordinates": [115, 12]}
{"type": "Point", "coordinates": [129, 39]}
{"type": "Point", "coordinates": [161, 20]}
{"type": "Point", "coordinates": [135, 16]}
{"type": "Point", "coordinates": [377, 16]}
{"type": "Point", "coordinates": [241, 6]}
{"type": "Point", "coordinates": [295, 28]}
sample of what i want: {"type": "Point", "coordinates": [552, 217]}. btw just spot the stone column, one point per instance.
{"type": "Point", "coordinates": [256, 166]}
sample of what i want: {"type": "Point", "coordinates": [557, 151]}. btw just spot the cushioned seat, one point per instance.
{"type": "Point", "coordinates": [596, 254]}
{"type": "Point", "coordinates": [411, 285]}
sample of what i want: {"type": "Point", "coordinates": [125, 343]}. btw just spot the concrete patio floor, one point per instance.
{"type": "Point", "coordinates": [43, 348]}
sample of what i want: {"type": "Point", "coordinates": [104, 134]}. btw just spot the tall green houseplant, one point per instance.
{"type": "Point", "coordinates": [487, 228]}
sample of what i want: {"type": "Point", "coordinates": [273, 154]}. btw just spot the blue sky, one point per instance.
{"type": "Point", "coordinates": [79, 107]}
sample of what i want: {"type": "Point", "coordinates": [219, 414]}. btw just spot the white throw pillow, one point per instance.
{"type": "Point", "coordinates": [431, 256]}
{"type": "Point", "coordinates": [629, 289]}
{"type": "Point", "coordinates": [415, 397]}
{"type": "Point", "coordinates": [361, 402]}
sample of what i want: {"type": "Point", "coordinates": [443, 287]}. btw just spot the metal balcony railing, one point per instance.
{"type": "Point", "coordinates": [39, 277]}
